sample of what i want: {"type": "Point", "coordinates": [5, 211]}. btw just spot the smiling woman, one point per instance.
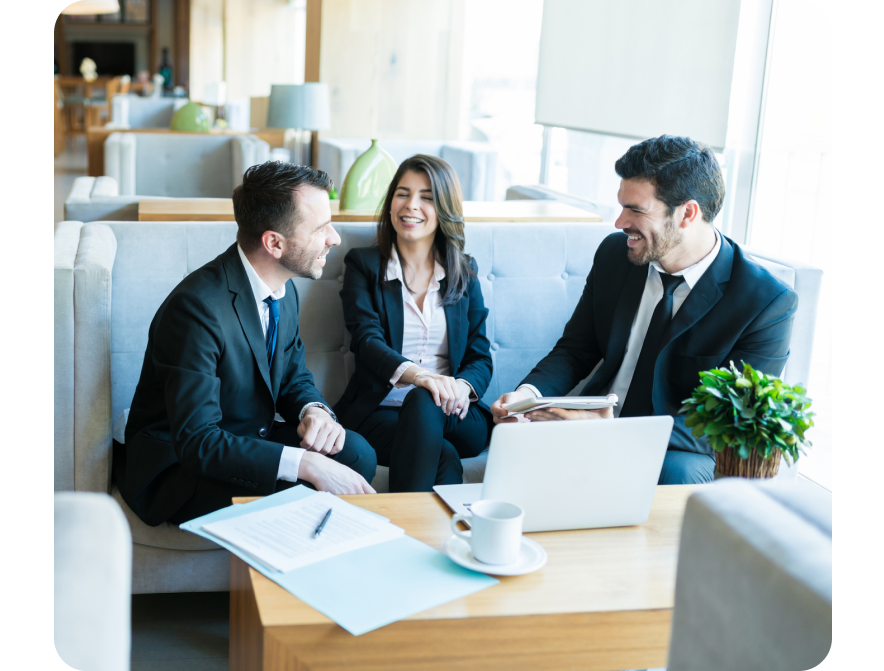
{"type": "Point", "coordinates": [414, 308]}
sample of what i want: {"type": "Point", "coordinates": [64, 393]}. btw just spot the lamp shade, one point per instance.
{"type": "Point", "coordinates": [303, 106]}
{"type": "Point", "coordinates": [93, 7]}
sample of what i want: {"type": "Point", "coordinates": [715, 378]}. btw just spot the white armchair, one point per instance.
{"type": "Point", "coordinates": [474, 162]}
{"type": "Point", "coordinates": [131, 111]}
{"type": "Point", "coordinates": [93, 582]}
{"type": "Point", "coordinates": [181, 165]}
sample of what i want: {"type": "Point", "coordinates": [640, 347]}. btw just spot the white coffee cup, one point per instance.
{"type": "Point", "coordinates": [496, 535]}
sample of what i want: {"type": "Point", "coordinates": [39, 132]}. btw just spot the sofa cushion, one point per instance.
{"type": "Point", "coordinates": [166, 535]}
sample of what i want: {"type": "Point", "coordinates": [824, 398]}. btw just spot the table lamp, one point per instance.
{"type": "Point", "coordinates": [299, 108]}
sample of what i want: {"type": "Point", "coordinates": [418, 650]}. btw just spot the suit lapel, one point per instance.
{"type": "Point", "coordinates": [454, 319]}
{"type": "Point", "coordinates": [706, 293]}
{"type": "Point", "coordinates": [624, 315]}
{"type": "Point", "coordinates": [391, 293]}
{"type": "Point", "coordinates": [247, 311]}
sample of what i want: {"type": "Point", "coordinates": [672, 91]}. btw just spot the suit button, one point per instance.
{"type": "Point", "coordinates": [262, 432]}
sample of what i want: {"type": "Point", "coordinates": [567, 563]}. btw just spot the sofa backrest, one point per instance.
{"type": "Point", "coordinates": [181, 165]}
{"type": "Point", "coordinates": [474, 162]}
{"type": "Point", "coordinates": [519, 265]}
{"type": "Point", "coordinates": [132, 111]}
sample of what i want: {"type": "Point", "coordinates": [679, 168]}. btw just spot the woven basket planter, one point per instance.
{"type": "Point", "coordinates": [729, 464]}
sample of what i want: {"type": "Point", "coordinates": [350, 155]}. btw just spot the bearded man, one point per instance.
{"type": "Point", "coordinates": [224, 357]}
{"type": "Point", "coordinates": [666, 298]}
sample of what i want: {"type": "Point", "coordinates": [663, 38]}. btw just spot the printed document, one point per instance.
{"type": "Point", "coordinates": [281, 537]}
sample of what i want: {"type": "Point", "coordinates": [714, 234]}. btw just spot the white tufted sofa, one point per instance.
{"type": "Point", "coordinates": [110, 278]}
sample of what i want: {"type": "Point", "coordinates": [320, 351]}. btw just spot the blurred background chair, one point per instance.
{"type": "Point", "coordinates": [754, 582]}
{"type": "Point", "coordinates": [474, 162]}
{"type": "Point", "coordinates": [93, 582]}
{"type": "Point", "coordinates": [181, 165]}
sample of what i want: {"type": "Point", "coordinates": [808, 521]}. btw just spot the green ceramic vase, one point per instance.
{"type": "Point", "coordinates": [369, 178]}
{"type": "Point", "coordinates": [190, 118]}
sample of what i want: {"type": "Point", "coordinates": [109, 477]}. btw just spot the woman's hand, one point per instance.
{"type": "Point", "coordinates": [453, 396]}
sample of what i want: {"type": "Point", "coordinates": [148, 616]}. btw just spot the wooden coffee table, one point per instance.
{"type": "Point", "coordinates": [603, 601]}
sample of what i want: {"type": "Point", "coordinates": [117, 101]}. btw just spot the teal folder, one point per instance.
{"type": "Point", "coordinates": [363, 589]}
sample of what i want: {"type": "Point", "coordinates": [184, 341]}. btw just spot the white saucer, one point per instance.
{"type": "Point", "coordinates": [531, 557]}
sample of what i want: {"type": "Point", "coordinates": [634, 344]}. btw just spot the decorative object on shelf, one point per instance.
{"type": "Point", "coordinates": [157, 90]}
{"type": "Point", "coordinates": [88, 69]}
{"type": "Point", "coordinates": [89, 7]}
{"type": "Point", "coordinates": [750, 419]}
{"type": "Point", "coordinates": [165, 70]}
{"type": "Point", "coordinates": [299, 108]}
{"type": "Point", "coordinates": [190, 118]}
{"type": "Point", "coordinates": [367, 180]}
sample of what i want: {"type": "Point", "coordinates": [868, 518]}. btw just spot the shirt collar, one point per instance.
{"type": "Point", "coordinates": [259, 287]}
{"type": "Point", "coordinates": [394, 270]}
{"type": "Point", "coordinates": [692, 274]}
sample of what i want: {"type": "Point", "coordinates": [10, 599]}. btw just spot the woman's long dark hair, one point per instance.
{"type": "Point", "coordinates": [448, 246]}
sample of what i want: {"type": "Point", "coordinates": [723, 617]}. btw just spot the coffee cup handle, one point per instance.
{"type": "Point", "coordinates": [466, 535]}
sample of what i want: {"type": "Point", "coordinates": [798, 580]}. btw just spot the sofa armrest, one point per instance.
{"type": "Point", "coordinates": [93, 582]}
{"type": "Point", "coordinates": [81, 191]}
{"type": "Point", "coordinates": [67, 240]}
{"type": "Point", "coordinates": [119, 160]}
{"type": "Point", "coordinates": [248, 150]}
{"type": "Point", "coordinates": [92, 382]}
{"type": "Point", "coordinates": [754, 582]}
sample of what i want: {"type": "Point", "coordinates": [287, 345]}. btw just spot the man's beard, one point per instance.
{"type": "Point", "coordinates": [661, 244]}
{"type": "Point", "coordinates": [300, 262]}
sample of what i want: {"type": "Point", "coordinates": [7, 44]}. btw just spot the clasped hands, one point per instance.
{"type": "Point", "coordinates": [453, 396]}
{"type": "Point", "coordinates": [544, 414]}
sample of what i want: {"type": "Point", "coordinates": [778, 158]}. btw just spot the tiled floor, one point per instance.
{"type": "Point", "coordinates": [178, 632]}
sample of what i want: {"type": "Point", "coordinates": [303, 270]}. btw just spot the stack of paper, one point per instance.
{"type": "Point", "coordinates": [282, 537]}
{"type": "Point", "coordinates": [361, 589]}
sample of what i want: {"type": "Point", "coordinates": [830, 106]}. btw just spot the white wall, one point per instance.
{"type": "Point", "coordinates": [250, 44]}
{"type": "Point", "coordinates": [393, 67]}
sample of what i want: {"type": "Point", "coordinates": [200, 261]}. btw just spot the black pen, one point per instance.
{"type": "Point", "coordinates": [322, 524]}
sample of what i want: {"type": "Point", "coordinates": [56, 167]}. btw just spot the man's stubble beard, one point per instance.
{"type": "Point", "coordinates": [669, 239]}
{"type": "Point", "coordinates": [299, 262]}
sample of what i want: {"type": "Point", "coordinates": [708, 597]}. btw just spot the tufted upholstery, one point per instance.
{"type": "Point", "coordinates": [179, 164]}
{"type": "Point", "coordinates": [474, 162]}
{"type": "Point", "coordinates": [111, 277]}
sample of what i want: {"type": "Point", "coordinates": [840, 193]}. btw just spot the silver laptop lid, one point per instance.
{"type": "Point", "coordinates": [578, 474]}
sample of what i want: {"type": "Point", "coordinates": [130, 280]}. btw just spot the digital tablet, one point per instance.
{"type": "Point", "coordinates": [565, 402]}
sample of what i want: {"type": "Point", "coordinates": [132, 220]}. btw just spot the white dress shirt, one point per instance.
{"type": "Point", "coordinates": [290, 461]}
{"type": "Point", "coordinates": [424, 333]}
{"type": "Point", "coordinates": [651, 295]}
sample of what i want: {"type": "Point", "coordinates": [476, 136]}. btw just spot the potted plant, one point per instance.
{"type": "Point", "coordinates": [749, 419]}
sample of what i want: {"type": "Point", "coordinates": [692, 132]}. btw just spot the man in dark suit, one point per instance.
{"type": "Point", "coordinates": [667, 298]}
{"type": "Point", "coordinates": [224, 356]}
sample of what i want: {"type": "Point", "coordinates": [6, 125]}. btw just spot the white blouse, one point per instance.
{"type": "Point", "coordinates": [424, 334]}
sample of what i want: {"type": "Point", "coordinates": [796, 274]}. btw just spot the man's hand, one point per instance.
{"type": "Point", "coordinates": [328, 475]}
{"type": "Point", "coordinates": [320, 433]}
{"type": "Point", "coordinates": [501, 415]}
{"type": "Point", "coordinates": [553, 414]}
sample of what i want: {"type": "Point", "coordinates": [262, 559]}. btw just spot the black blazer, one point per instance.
{"type": "Point", "coordinates": [206, 398]}
{"type": "Point", "coordinates": [374, 314]}
{"type": "Point", "coordinates": [736, 312]}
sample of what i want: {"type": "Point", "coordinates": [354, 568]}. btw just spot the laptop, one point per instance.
{"type": "Point", "coordinates": [581, 474]}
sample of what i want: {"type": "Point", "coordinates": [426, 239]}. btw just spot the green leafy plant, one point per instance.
{"type": "Point", "coordinates": [749, 411]}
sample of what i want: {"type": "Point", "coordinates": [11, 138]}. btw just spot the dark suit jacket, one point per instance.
{"type": "Point", "coordinates": [373, 312]}
{"type": "Point", "coordinates": [736, 312]}
{"type": "Point", "coordinates": [206, 398]}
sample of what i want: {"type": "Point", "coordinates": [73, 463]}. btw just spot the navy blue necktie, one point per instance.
{"type": "Point", "coordinates": [273, 304]}
{"type": "Point", "coordinates": [639, 401]}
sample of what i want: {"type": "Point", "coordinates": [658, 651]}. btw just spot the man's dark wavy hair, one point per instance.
{"type": "Point", "coordinates": [680, 170]}
{"type": "Point", "coordinates": [267, 199]}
